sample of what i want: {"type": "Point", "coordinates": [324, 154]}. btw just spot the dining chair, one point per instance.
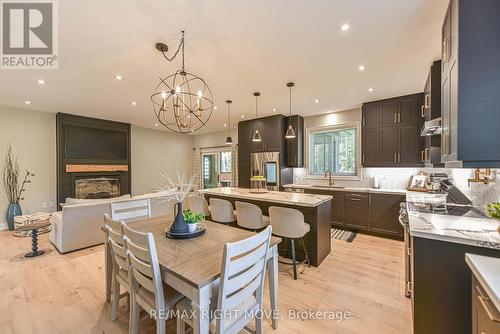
{"type": "Point", "coordinates": [199, 204]}
{"type": "Point", "coordinates": [131, 210]}
{"type": "Point", "coordinates": [221, 211]}
{"type": "Point", "coordinates": [250, 216]}
{"type": "Point", "coordinates": [120, 277]}
{"type": "Point", "coordinates": [146, 285]}
{"type": "Point", "coordinates": [239, 299]}
{"type": "Point", "coordinates": [289, 224]}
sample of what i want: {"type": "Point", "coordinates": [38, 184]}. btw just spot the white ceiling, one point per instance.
{"type": "Point", "coordinates": [238, 47]}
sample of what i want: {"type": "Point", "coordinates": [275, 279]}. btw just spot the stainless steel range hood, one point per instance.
{"type": "Point", "coordinates": [431, 128]}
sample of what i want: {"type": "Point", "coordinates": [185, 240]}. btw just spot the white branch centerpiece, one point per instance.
{"type": "Point", "coordinates": [177, 190]}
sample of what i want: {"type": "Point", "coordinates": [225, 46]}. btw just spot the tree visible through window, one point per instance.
{"type": "Point", "coordinates": [333, 150]}
{"type": "Point", "coordinates": [225, 162]}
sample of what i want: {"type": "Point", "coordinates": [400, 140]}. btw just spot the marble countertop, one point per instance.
{"type": "Point", "coordinates": [473, 231]}
{"type": "Point", "coordinates": [280, 197]}
{"type": "Point", "coordinates": [487, 271]}
{"type": "Point", "coordinates": [354, 189]}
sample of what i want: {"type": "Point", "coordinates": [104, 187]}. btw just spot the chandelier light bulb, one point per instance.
{"type": "Point", "coordinates": [200, 94]}
{"type": "Point", "coordinates": [164, 95]}
{"type": "Point", "coordinates": [178, 89]}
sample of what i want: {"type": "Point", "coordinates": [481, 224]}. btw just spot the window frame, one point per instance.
{"type": "Point", "coordinates": [328, 128]}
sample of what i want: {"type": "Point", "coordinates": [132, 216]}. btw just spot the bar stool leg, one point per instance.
{"type": "Point", "coordinates": [305, 252]}
{"type": "Point", "coordinates": [293, 259]}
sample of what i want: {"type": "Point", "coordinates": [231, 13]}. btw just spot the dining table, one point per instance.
{"type": "Point", "coordinates": [193, 266]}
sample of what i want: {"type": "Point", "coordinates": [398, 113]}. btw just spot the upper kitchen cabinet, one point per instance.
{"type": "Point", "coordinates": [295, 146]}
{"type": "Point", "coordinates": [272, 131]}
{"type": "Point", "coordinates": [431, 112]}
{"type": "Point", "coordinates": [470, 84]}
{"type": "Point", "coordinates": [391, 132]}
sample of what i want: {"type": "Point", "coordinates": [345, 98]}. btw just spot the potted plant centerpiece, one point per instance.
{"type": "Point", "coordinates": [14, 187]}
{"type": "Point", "coordinates": [493, 210]}
{"type": "Point", "coordinates": [192, 218]}
{"type": "Point", "coordinates": [177, 190]}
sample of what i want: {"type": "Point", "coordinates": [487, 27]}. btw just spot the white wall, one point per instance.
{"type": "Point", "coordinates": [214, 139]}
{"type": "Point", "coordinates": [32, 135]}
{"type": "Point", "coordinates": [158, 151]}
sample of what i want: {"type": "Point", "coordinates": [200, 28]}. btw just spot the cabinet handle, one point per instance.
{"type": "Point", "coordinates": [446, 57]}
{"type": "Point", "coordinates": [395, 117]}
{"type": "Point", "coordinates": [426, 101]}
{"type": "Point", "coordinates": [422, 156]}
{"type": "Point", "coordinates": [364, 121]}
{"type": "Point", "coordinates": [363, 158]}
{"type": "Point", "coordinates": [399, 117]}
{"type": "Point", "coordinates": [370, 199]}
{"type": "Point", "coordinates": [395, 157]}
{"type": "Point", "coordinates": [426, 154]}
{"type": "Point", "coordinates": [422, 111]}
{"type": "Point", "coordinates": [485, 303]}
{"type": "Point", "coordinates": [355, 199]}
{"type": "Point", "coordinates": [399, 157]}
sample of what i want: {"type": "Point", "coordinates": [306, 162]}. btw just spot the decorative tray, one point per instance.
{"type": "Point", "coordinates": [200, 230]}
{"type": "Point", "coordinates": [258, 191]}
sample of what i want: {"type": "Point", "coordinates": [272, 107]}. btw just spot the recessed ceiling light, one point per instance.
{"type": "Point", "coordinates": [134, 103]}
{"type": "Point", "coordinates": [156, 124]}
{"type": "Point", "coordinates": [370, 89]}
{"type": "Point", "coordinates": [215, 108]}
{"type": "Point", "coordinates": [242, 116]}
{"type": "Point", "coordinates": [118, 77]}
{"type": "Point", "coordinates": [361, 67]}
{"type": "Point", "coordinates": [27, 102]}
{"type": "Point", "coordinates": [41, 82]}
{"type": "Point", "coordinates": [316, 101]}
{"type": "Point", "coordinates": [225, 124]}
{"type": "Point", "coordinates": [274, 109]}
{"type": "Point", "coordinates": [345, 27]}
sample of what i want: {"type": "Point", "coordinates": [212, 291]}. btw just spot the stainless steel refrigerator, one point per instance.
{"type": "Point", "coordinates": [266, 164]}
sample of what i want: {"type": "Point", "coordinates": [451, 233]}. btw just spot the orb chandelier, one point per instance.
{"type": "Point", "coordinates": [182, 101]}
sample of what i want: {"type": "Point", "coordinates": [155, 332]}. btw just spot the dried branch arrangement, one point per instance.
{"type": "Point", "coordinates": [13, 188]}
{"type": "Point", "coordinates": [180, 187]}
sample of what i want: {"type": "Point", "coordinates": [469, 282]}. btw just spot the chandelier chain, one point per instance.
{"type": "Point", "coordinates": [179, 48]}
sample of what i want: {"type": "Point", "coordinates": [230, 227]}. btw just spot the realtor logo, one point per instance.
{"type": "Point", "coordinates": [29, 34]}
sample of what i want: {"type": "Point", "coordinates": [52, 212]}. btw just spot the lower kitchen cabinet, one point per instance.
{"type": "Point", "coordinates": [357, 211]}
{"type": "Point", "coordinates": [385, 214]}
{"type": "Point", "coordinates": [485, 316]}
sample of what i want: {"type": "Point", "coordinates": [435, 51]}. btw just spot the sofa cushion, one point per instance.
{"type": "Point", "coordinates": [73, 201]}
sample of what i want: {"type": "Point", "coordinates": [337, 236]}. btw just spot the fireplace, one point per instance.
{"type": "Point", "coordinates": [97, 187]}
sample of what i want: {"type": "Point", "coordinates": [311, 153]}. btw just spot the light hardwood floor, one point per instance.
{"type": "Point", "coordinates": [65, 293]}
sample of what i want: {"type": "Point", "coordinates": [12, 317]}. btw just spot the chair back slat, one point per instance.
{"type": "Point", "coordinates": [114, 231]}
{"type": "Point", "coordinates": [242, 277]}
{"type": "Point", "coordinates": [143, 259]}
{"type": "Point", "coordinates": [131, 210]}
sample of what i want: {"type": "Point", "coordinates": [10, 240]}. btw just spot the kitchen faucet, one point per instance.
{"type": "Point", "coordinates": [330, 181]}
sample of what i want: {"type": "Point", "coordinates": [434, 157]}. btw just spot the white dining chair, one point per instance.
{"type": "Point", "coordinates": [131, 210]}
{"type": "Point", "coordinates": [199, 204]}
{"type": "Point", "coordinates": [221, 211]}
{"type": "Point", "coordinates": [250, 216]}
{"type": "Point", "coordinates": [146, 285]}
{"type": "Point", "coordinates": [120, 275]}
{"type": "Point", "coordinates": [239, 299]}
{"type": "Point", "coordinates": [289, 224]}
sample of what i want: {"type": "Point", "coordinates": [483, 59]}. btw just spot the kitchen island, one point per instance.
{"type": "Point", "coordinates": [316, 210]}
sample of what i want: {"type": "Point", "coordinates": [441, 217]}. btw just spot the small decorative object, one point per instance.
{"type": "Point", "coordinates": [418, 182]}
{"type": "Point", "coordinates": [493, 211]}
{"type": "Point", "coordinates": [182, 101]}
{"type": "Point", "coordinates": [192, 218]}
{"type": "Point", "coordinates": [14, 189]}
{"type": "Point", "coordinates": [258, 184]}
{"type": "Point", "coordinates": [179, 189]}
{"type": "Point", "coordinates": [37, 217]}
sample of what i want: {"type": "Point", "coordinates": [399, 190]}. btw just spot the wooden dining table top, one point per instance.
{"type": "Point", "coordinates": [197, 261]}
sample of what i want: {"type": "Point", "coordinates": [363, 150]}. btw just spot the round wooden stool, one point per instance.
{"type": "Point", "coordinates": [34, 228]}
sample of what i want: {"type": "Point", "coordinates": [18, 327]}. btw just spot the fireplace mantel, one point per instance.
{"type": "Point", "coordinates": [95, 168]}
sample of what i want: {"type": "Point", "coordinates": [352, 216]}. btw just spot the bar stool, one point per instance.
{"type": "Point", "coordinates": [289, 224]}
{"type": "Point", "coordinates": [199, 204]}
{"type": "Point", "coordinates": [221, 211]}
{"type": "Point", "coordinates": [250, 216]}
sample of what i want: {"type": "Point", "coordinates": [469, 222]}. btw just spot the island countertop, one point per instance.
{"type": "Point", "coordinates": [279, 197]}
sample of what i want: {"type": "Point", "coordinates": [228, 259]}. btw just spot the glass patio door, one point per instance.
{"type": "Point", "coordinates": [210, 170]}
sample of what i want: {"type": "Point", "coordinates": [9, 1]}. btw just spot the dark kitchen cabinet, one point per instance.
{"type": "Point", "coordinates": [357, 211]}
{"type": "Point", "coordinates": [295, 146]}
{"type": "Point", "coordinates": [431, 110]}
{"type": "Point", "coordinates": [395, 141]}
{"type": "Point", "coordinates": [470, 78]}
{"type": "Point", "coordinates": [385, 214]}
{"type": "Point", "coordinates": [338, 215]}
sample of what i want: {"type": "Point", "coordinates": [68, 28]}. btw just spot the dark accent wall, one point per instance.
{"type": "Point", "coordinates": [90, 141]}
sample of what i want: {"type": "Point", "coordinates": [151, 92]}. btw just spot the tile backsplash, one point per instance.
{"type": "Point", "coordinates": [398, 178]}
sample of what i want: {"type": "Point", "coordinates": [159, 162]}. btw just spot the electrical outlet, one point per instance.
{"type": "Point", "coordinates": [44, 205]}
